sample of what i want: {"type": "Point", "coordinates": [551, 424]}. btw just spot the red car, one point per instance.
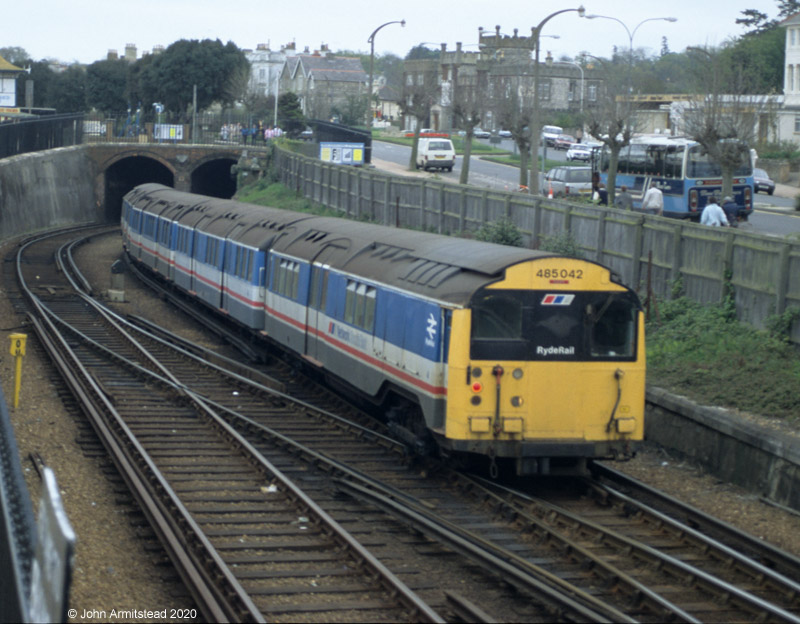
{"type": "Point", "coordinates": [564, 141]}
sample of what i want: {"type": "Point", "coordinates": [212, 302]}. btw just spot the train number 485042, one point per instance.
{"type": "Point", "coordinates": [560, 273]}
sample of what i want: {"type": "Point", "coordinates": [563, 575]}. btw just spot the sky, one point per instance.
{"type": "Point", "coordinates": [85, 30]}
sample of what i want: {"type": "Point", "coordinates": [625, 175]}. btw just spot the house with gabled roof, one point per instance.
{"type": "Point", "coordinates": [325, 83]}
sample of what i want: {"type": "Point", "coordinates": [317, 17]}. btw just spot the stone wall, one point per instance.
{"type": "Point", "coordinates": [43, 190]}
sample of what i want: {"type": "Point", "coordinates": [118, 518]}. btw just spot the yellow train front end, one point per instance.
{"type": "Point", "coordinates": [547, 369]}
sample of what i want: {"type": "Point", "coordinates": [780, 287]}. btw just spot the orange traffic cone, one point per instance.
{"type": "Point", "coordinates": [550, 192]}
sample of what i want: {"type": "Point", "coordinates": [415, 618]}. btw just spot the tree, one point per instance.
{"type": "Point", "coordinates": [170, 77]}
{"type": "Point", "coordinates": [419, 98]}
{"type": "Point", "coordinates": [16, 56]}
{"type": "Point", "coordinates": [722, 116]}
{"type": "Point", "coordinates": [106, 85]}
{"type": "Point", "coordinates": [512, 102]}
{"type": "Point", "coordinates": [290, 114]}
{"type": "Point", "coordinates": [468, 108]}
{"type": "Point", "coordinates": [68, 91]}
{"type": "Point", "coordinates": [421, 53]}
{"type": "Point", "coordinates": [613, 121]}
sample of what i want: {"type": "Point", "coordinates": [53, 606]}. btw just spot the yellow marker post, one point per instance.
{"type": "Point", "coordinates": [18, 351]}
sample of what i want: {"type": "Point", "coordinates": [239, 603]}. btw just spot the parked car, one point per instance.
{"type": "Point", "coordinates": [506, 134]}
{"type": "Point", "coordinates": [579, 151]}
{"type": "Point", "coordinates": [762, 182]}
{"type": "Point", "coordinates": [480, 133]}
{"type": "Point", "coordinates": [563, 141]}
{"type": "Point", "coordinates": [568, 181]}
{"type": "Point", "coordinates": [549, 134]}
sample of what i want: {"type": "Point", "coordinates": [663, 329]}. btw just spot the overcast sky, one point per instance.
{"type": "Point", "coordinates": [84, 30]}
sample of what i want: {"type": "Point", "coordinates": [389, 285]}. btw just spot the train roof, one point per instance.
{"type": "Point", "coordinates": [444, 268]}
{"type": "Point", "coordinates": [441, 267]}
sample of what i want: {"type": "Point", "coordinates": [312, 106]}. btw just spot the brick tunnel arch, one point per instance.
{"type": "Point", "coordinates": [213, 177]}
{"type": "Point", "coordinates": [126, 173]}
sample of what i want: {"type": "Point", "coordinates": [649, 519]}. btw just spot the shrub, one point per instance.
{"type": "Point", "coordinates": [503, 231]}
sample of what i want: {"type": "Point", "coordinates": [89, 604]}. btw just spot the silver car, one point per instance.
{"type": "Point", "coordinates": [568, 181]}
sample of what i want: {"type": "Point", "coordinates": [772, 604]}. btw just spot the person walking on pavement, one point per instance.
{"type": "Point", "coordinates": [623, 201]}
{"type": "Point", "coordinates": [731, 209]}
{"type": "Point", "coordinates": [713, 214]}
{"type": "Point", "coordinates": [653, 201]}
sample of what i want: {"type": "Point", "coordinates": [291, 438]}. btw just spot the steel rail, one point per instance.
{"type": "Point", "coordinates": [777, 559]}
{"type": "Point", "coordinates": [137, 470]}
{"type": "Point", "coordinates": [511, 568]}
{"type": "Point", "coordinates": [392, 583]}
{"type": "Point", "coordinates": [742, 599]}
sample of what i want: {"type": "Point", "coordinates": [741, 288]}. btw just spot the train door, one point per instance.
{"type": "Point", "coordinates": [315, 311]}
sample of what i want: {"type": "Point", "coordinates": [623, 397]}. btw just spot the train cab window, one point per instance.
{"type": "Point", "coordinates": [497, 316]}
{"type": "Point", "coordinates": [612, 327]}
{"type": "Point", "coordinates": [497, 326]}
{"type": "Point", "coordinates": [532, 325]}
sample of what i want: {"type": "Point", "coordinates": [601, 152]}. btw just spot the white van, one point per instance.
{"type": "Point", "coordinates": [436, 153]}
{"type": "Point", "coordinates": [550, 133]}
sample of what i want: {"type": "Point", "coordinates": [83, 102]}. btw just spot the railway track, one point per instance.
{"type": "Point", "coordinates": [251, 474]}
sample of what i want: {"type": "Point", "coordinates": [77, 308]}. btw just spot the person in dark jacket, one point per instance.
{"type": "Point", "coordinates": [731, 209]}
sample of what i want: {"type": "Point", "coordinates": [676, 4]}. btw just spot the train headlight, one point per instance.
{"type": "Point", "coordinates": [476, 400]}
{"type": "Point", "coordinates": [477, 372]}
{"type": "Point", "coordinates": [517, 374]}
{"type": "Point", "coordinates": [517, 401]}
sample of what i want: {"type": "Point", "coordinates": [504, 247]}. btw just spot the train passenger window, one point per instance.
{"type": "Point", "coordinates": [319, 287]}
{"type": "Point", "coordinates": [350, 302]}
{"type": "Point", "coordinates": [359, 305]}
{"type": "Point", "coordinates": [369, 309]}
{"type": "Point", "coordinates": [286, 278]}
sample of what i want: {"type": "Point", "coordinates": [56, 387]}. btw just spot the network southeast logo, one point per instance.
{"type": "Point", "coordinates": [558, 300]}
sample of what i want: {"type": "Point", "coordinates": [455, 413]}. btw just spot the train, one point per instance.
{"type": "Point", "coordinates": [522, 359]}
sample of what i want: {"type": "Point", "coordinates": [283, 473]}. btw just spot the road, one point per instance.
{"type": "Point", "coordinates": [767, 219]}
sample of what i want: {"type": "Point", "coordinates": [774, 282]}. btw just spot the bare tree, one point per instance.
{"type": "Point", "coordinates": [722, 116]}
{"type": "Point", "coordinates": [469, 104]}
{"type": "Point", "coordinates": [512, 103]}
{"type": "Point", "coordinates": [420, 94]}
{"type": "Point", "coordinates": [613, 120]}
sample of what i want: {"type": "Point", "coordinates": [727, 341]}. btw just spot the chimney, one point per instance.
{"type": "Point", "coordinates": [112, 55]}
{"type": "Point", "coordinates": [130, 52]}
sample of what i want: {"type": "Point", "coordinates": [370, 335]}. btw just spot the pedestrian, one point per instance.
{"type": "Point", "coordinates": [623, 201]}
{"type": "Point", "coordinates": [599, 192]}
{"type": "Point", "coordinates": [731, 209]}
{"type": "Point", "coordinates": [653, 201]}
{"type": "Point", "coordinates": [713, 214]}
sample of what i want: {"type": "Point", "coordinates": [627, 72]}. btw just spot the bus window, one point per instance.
{"type": "Point", "coordinates": [673, 162]}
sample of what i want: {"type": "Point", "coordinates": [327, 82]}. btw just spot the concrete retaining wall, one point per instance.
{"type": "Point", "coordinates": [48, 189]}
{"type": "Point", "coordinates": [735, 450]}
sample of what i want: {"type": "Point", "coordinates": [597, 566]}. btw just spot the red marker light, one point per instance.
{"type": "Point", "coordinates": [477, 386]}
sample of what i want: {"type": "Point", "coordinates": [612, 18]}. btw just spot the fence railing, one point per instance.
{"type": "Point", "coordinates": [229, 127]}
{"type": "Point", "coordinates": [652, 254]}
{"type": "Point", "coordinates": [21, 136]}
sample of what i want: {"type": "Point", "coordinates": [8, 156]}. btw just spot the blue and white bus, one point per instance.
{"type": "Point", "coordinates": [683, 171]}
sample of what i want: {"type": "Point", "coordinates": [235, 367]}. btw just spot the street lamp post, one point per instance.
{"type": "Point", "coordinates": [533, 187]}
{"type": "Point", "coordinates": [371, 42]}
{"type": "Point", "coordinates": [631, 34]}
